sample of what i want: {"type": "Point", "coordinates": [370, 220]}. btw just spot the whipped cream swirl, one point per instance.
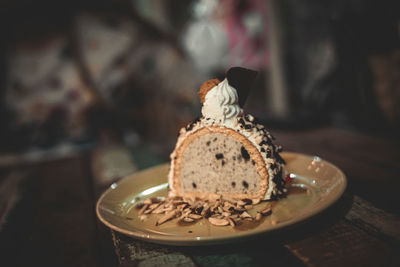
{"type": "Point", "coordinates": [222, 103]}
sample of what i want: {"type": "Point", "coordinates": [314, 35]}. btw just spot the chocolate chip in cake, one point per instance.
{"type": "Point", "coordinates": [219, 156]}
{"type": "Point", "coordinates": [244, 153]}
{"type": "Point", "coordinates": [208, 143]}
{"type": "Point", "coordinates": [253, 162]}
{"type": "Point", "coordinates": [233, 184]}
{"type": "Point", "coordinates": [223, 163]}
{"type": "Point", "coordinates": [245, 184]}
{"type": "Point", "coordinates": [215, 139]}
{"type": "Point", "coordinates": [194, 185]}
{"type": "Point", "coordinates": [262, 149]}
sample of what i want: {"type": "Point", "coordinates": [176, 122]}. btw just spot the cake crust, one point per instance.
{"type": "Point", "coordinates": [252, 150]}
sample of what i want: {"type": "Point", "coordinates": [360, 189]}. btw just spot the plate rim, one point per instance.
{"type": "Point", "coordinates": [206, 240]}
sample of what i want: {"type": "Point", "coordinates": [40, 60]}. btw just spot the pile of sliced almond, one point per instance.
{"type": "Point", "coordinates": [221, 211]}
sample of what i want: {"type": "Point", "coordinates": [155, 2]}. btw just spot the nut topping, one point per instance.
{"type": "Point", "coordinates": [231, 222]}
{"type": "Point", "coordinates": [218, 222]}
{"type": "Point", "coordinates": [147, 201]}
{"type": "Point", "coordinates": [265, 212]}
{"type": "Point", "coordinates": [166, 217]}
{"type": "Point", "coordinates": [142, 217]}
{"type": "Point", "coordinates": [142, 210]}
{"type": "Point", "coordinates": [220, 211]}
{"type": "Point", "coordinates": [187, 219]}
{"type": "Point", "coordinates": [195, 216]}
{"type": "Point", "coordinates": [245, 215]}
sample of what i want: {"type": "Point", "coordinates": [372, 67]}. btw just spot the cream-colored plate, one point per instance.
{"type": "Point", "coordinates": [316, 185]}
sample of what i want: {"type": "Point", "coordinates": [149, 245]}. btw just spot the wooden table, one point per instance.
{"type": "Point", "coordinates": [47, 213]}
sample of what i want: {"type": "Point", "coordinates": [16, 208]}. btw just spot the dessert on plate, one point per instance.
{"type": "Point", "coordinates": [226, 152]}
{"type": "Point", "coordinates": [223, 163]}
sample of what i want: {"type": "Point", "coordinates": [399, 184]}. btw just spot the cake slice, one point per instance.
{"type": "Point", "coordinates": [226, 152]}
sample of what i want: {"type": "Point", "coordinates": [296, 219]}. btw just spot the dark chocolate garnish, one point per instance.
{"type": "Point", "coordinates": [263, 142]}
{"type": "Point", "coordinates": [241, 79]}
{"type": "Point", "coordinates": [244, 153]}
{"type": "Point", "coordinates": [280, 183]}
{"type": "Point", "coordinates": [207, 214]}
{"type": "Point", "coordinates": [279, 158]}
{"type": "Point", "coordinates": [198, 210]}
{"type": "Point", "coordinates": [191, 125]}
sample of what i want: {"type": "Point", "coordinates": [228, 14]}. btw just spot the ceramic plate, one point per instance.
{"type": "Point", "coordinates": [316, 185]}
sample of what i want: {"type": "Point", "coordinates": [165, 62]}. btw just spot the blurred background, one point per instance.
{"type": "Point", "coordinates": [77, 74]}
